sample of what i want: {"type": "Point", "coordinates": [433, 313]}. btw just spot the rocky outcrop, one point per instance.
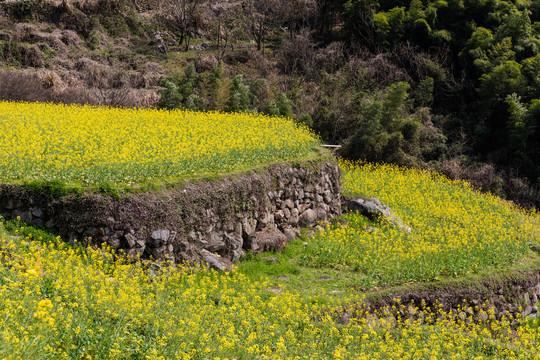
{"type": "Point", "coordinates": [374, 209]}
{"type": "Point", "coordinates": [215, 221]}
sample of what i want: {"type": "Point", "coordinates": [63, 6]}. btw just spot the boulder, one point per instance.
{"type": "Point", "coordinates": [374, 209]}
{"type": "Point", "coordinates": [307, 218]}
{"type": "Point", "coordinates": [268, 239]}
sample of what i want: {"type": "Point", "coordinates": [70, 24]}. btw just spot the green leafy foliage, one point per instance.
{"type": "Point", "coordinates": [240, 96]}
{"type": "Point", "coordinates": [387, 131]}
{"type": "Point", "coordinates": [181, 91]}
{"type": "Point", "coordinates": [51, 189]}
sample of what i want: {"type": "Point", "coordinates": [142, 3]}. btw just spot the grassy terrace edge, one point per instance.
{"type": "Point", "coordinates": [57, 188]}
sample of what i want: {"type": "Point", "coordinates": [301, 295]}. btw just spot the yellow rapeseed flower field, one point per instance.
{"type": "Point", "coordinates": [62, 302]}
{"type": "Point", "coordinates": [455, 229]}
{"type": "Point", "coordinates": [89, 145]}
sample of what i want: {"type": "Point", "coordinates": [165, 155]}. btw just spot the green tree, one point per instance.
{"type": "Point", "coordinates": [239, 99]}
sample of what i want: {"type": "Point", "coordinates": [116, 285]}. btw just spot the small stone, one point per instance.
{"type": "Point", "coordinates": [26, 216]}
{"type": "Point", "coordinates": [284, 278]}
{"type": "Point", "coordinates": [215, 261]}
{"type": "Point", "coordinates": [161, 235]}
{"type": "Point", "coordinates": [482, 316]}
{"type": "Point", "coordinates": [345, 318]}
{"type": "Point", "coordinates": [114, 243]}
{"type": "Point", "coordinates": [528, 311]}
{"type": "Point", "coordinates": [289, 204]}
{"type": "Point", "coordinates": [289, 233]}
{"type": "Point", "coordinates": [50, 224]}
{"type": "Point", "coordinates": [287, 213]}
{"type": "Point", "coordinates": [37, 212]}
{"type": "Point", "coordinates": [279, 215]}
{"type": "Point", "coordinates": [131, 241]}
{"type": "Point", "coordinates": [10, 204]}
{"type": "Point", "coordinates": [135, 252]}
{"type": "Point", "coordinates": [271, 259]}
{"type": "Point", "coordinates": [324, 278]}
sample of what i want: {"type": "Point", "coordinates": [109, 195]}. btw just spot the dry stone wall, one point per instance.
{"type": "Point", "coordinates": [214, 221]}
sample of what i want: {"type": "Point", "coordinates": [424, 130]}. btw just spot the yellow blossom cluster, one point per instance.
{"type": "Point", "coordinates": [89, 145]}
{"type": "Point", "coordinates": [455, 229]}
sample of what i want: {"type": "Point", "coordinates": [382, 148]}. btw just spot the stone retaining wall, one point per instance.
{"type": "Point", "coordinates": [214, 221]}
{"type": "Point", "coordinates": [511, 293]}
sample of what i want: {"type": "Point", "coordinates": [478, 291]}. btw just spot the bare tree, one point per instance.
{"type": "Point", "coordinates": [227, 17]}
{"type": "Point", "coordinates": [297, 14]}
{"type": "Point", "coordinates": [260, 16]}
{"type": "Point", "coordinates": [183, 17]}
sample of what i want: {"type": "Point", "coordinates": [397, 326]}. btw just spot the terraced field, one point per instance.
{"type": "Point", "coordinates": [90, 145]}
{"type": "Point", "coordinates": [66, 302]}
{"type": "Point", "coordinates": [456, 230]}
{"type": "Point", "coordinates": [63, 301]}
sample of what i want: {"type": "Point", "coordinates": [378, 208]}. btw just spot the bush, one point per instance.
{"type": "Point", "coordinates": [50, 189]}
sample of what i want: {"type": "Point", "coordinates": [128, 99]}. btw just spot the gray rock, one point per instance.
{"type": "Point", "coordinates": [528, 311]}
{"type": "Point", "coordinates": [268, 239]}
{"type": "Point", "coordinates": [287, 213]}
{"type": "Point", "coordinates": [215, 261]}
{"type": "Point", "coordinates": [159, 253]}
{"type": "Point", "coordinates": [37, 212]}
{"type": "Point", "coordinates": [159, 237]}
{"type": "Point", "coordinates": [291, 233]}
{"type": "Point", "coordinates": [234, 244]}
{"type": "Point", "coordinates": [289, 204]}
{"type": "Point", "coordinates": [324, 277]}
{"type": "Point", "coordinates": [135, 252]}
{"type": "Point", "coordinates": [26, 216]}
{"type": "Point", "coordinates": [295, 216]}
{"type": "Point", "coordinates": [114, 243]}
{"type": "Point", "coordinates": [215, 242]}
{"type": "Point", "coordinates": [271, 259]}
{"type": "Point", "coordinates": [307, 218]}
{"type": "Point", "coordinates": [373, 209]}
{"type": "Point", "coordinates": [284, 278]}
{"type": "Point", "coordinates": [131, 240]}
{"type": "Point", "coordinates": [10, 204]}
{"type": "Point", "coordinates": [248, 227]}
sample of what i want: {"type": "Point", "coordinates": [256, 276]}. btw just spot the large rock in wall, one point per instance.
{"type": "Point", "coordinates": [214, 221]}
